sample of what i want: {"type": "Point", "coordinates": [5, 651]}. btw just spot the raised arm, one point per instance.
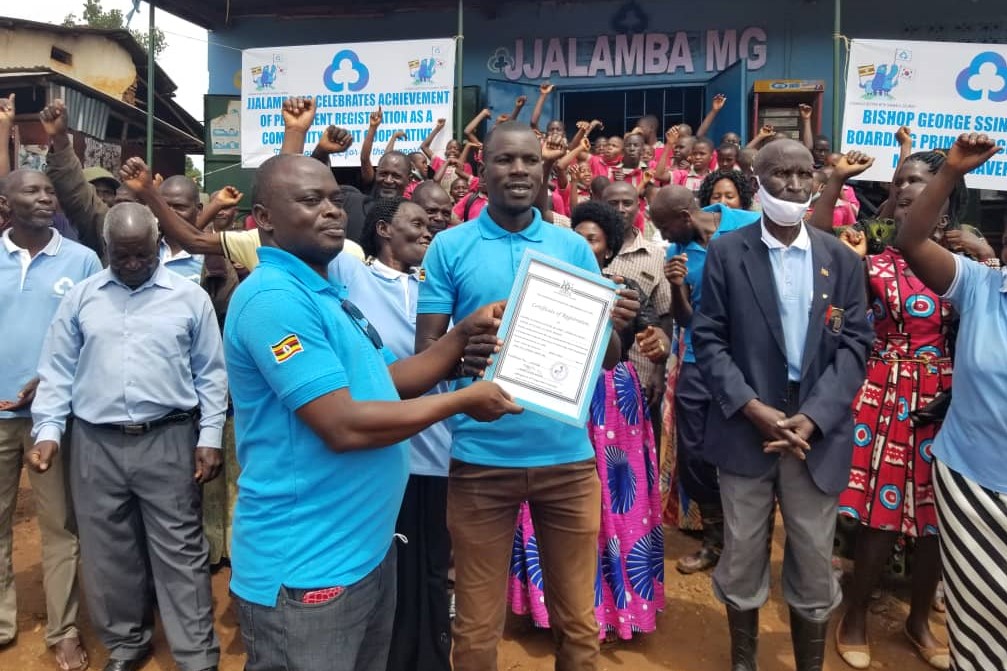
{"type": "Point", "coordinates": [544, 90]}
{"type": "Point", "coordinates": [135, 175]}
{"type": "Point", "coordinates": [470, 130]}
{"type": "Point", "coordinates": [905, 139]}
{"type": "Point", "coordinates": [463, 158]}
{"type": "Point", "coordinates": [711, 116]}
{"type": "Point", "coordinates": [6, 126]}
{"type": "Point", "coordinates": [334, 140]}
{"type": "Point", "coordinates": [429, 139]}
{"type": "Point", "coordinates": [442, 170]}
{"type": "Point", "coordinates": [932, 263]}
{"type": "Point", "coordinates": [76, 195]}
{"type": "Point", "coordinates": [223, 199]}
{"type": "Point", "coordinates": [807, 135]}
{"type": "Point", "coordinates": [519, 104]}
{"type": "Point", "coordinates": [570, 157]}
{"type": "Point", "coordinates": [849, 166]}
{"type": "Point", "coordinates": [397, 135]}
{"type": "Point", "coordinates": [661, 172]}
{"type": "Point", "coordinates": [298, 115]}
{"type": "Point", "coordinates": [766, 132]}
{"type": "Point", "coordinates": [366, 167]}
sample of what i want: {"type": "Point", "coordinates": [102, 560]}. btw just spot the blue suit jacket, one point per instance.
{"type": "Point", "coordinates": [738, 340]}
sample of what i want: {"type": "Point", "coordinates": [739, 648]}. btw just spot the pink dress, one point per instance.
{"type": "Point", "coordinates": [629, 586]}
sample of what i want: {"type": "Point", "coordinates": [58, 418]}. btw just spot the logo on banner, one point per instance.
{"type": "Point", "coordinates": [985, 77]}
{"type": "Point", "coordinates": [422, 70]}
{"type": "Point", "coordinates": [878, 80]}
{"type": "Point", "coordinates": [266, 77]}
{"type": "Point", "coordinates": [346, 72]}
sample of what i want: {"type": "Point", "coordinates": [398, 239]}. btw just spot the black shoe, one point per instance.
{"type": "Point", "coordinates": [808, 637]}
{"type": "Point", "coordinates": [713, 542]}
{"type": "Point", "coordinates": [124, 664]}
{"type": "Point", "coordinates": [744, 626]}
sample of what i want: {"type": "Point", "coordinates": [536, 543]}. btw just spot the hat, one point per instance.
{"type": "Point", "coordinates": [95, 173]}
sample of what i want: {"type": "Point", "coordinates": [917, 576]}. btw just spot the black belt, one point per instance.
{"type": "Point", "coordinates": [793, 393]}
{"type": "Point", "coordinates": [175, 417]}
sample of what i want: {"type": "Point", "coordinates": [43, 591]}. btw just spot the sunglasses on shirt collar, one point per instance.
{"type": "Point", "coordinates": [363, 324]}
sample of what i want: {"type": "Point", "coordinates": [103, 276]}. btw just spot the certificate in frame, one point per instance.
{"type": "Point", "coordinates": [555, 329]}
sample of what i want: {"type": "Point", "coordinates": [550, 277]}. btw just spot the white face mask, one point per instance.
{"type": "Point", "coordinates": [782, 212]}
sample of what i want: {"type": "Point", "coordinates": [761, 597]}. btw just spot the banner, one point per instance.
{"type": "Point", "coordinates": [412, 81]}
{"type": "Point", "coordinates": [939, 89]}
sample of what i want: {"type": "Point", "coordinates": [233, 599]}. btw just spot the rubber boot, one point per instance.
{"type": "Point", "coordinates": [744, 626]}
{"type": "Point", "coordinates": [713, 542]}
{"type": "Point", "coordinates": [808, 638]}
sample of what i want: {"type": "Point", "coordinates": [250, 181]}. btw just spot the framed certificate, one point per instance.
{"type": "Point", "coordinates": [555, 329]}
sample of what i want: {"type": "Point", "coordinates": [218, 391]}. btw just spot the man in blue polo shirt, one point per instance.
{"type": "Point", "coordinates": [533, 458]}
{"type": "Point", "coordinates": [690, 229]}
{"type": "Point", "coordinates": [320, 431]}
{"type": "Point", "coordinates": [37, 267]}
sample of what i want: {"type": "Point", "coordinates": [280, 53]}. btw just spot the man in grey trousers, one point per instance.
{"type": "Point", "coordinates": [136, 353]}
{"type": "Point", "coordinates": [781, 339]}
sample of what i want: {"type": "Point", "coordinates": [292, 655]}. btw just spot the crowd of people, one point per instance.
{"type": "Point", "coordinates": [298, 393]}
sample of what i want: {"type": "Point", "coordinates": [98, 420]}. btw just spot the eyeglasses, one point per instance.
{"type": "Point", "coordinates": [363, 324]}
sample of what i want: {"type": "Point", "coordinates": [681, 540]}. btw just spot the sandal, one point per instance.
{"type": "Point", "coordinates": [857, 656]}
{"type": "Point", "coordinates": [938, 657]}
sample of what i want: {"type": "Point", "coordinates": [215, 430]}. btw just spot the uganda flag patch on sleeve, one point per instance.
{"type": "Point", "coordinates": [286, 348]}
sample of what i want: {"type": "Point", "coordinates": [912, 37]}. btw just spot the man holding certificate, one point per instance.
{"type": "Point", "coordinates": [533, 457]}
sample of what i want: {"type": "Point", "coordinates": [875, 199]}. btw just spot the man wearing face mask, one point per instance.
{"type": "Point", "coordinates": [781, 339]}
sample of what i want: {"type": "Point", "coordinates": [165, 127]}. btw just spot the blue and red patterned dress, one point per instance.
{"type": "Point", "coordinates": [890, 483]}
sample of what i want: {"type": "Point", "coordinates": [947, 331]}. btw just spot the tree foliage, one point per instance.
{"type": "Point", "coordinates": [96, 16]}
{"type": "Point", "coordinates": [193, 173]}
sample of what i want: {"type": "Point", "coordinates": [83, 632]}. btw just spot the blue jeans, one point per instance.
{"type": "Point", "coordinates": [349, 633]}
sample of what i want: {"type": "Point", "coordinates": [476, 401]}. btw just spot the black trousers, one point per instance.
{"type": "Point", "coordinates": [692, 407]}
{"type": "Point", "coordinates": [421, 639]}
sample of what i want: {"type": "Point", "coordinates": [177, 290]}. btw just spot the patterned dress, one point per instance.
{"type": "Point", "coordinates": [629, 586]}
{"type": "Point", "coordinates": [890, 481]}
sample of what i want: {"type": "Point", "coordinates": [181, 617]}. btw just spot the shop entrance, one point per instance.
{"type": "Point", "coordinates": [619, 109]}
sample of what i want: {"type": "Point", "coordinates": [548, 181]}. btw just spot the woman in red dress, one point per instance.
{"type": "Point", "coordinates": [890, 490]}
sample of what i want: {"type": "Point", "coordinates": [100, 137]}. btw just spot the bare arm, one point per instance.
{"type": "Point", "coordinates": [519, 104]}
{"type": "Point", "coordinates": [429, 139]}
{"type": "Point", "coordinates": [851, 165]}
{"type": "Point", "coordinates": [807, 135]}
{"type": "Point", "coordinates": [397, 135]}
{"type": "Point", "coordinates": [298, 115]}
{"type": "Point", "coordinates": [470, 130]}
{"type": "Point", "coordinates": [711, 116]}
{"type": "Point", "coordinates": [933, 264]}
{"type": "Point", "coordinates": [135, 176]}
{"type": "Point", "coordinates": [765, 133]}
{"type": "Point", "coordinates": [661, 172]}
{"type": "Point", "coordinates": [545, 90]}
{"type": "Point", "coordinates": [225, 198]}
{"type": "Point", "coordinates": [366, 167]}
{"type": "Point", "coordinates": [439, 175]}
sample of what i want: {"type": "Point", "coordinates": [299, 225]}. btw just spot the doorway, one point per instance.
{"type": "Point", "coordinates": [619, 109]}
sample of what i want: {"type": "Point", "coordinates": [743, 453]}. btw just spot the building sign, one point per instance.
{"type": "Point", "coordinates": [412, 81]}
{"type": "Point", "coordinates": [640, 54]}
{"type": "Point", "coordinates": [789, 86]}
{"type": "Point", "coordinates": [938, 89]}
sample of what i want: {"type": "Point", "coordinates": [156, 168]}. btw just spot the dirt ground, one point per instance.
{"type": "Point", "coordinates": [691, 635]}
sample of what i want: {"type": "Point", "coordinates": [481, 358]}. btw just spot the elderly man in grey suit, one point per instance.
{"type": "Point", "coordinates": [781, 339]}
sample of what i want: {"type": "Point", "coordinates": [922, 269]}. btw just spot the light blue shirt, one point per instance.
{"type": "Point", "coordinates": [30, 292]}
{"type": "Point", "coordinates": [474, 264]}
{"type": "Point", "coordinates": [117, 355]}
{"type": "Point", "coordinates": [307, 516]}
{"type": "Point", "coordinates": [387, 297]}
{"type": "Point", "coordinates": [189, 266]}
{"type": "Point", "coordinates": [730, 220]}
{"type": "Point", "coordinates": [973, 438]}
{"type": "Point", "coordinates": [793, 273]}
